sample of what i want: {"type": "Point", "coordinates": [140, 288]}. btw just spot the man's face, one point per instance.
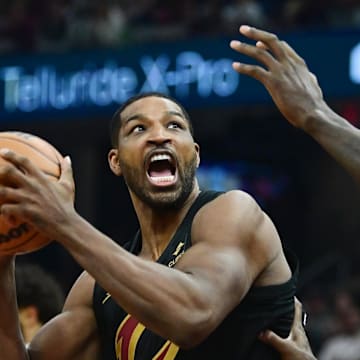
{"type": "Point", "coordinates": [156, 154]}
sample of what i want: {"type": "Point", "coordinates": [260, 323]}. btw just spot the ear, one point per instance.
{"type": "Point", "coordinates": [197, 149]}
{"type": "Point", "coordinates": [113, 158]}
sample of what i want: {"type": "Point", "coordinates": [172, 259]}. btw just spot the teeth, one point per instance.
{"type": "Point", "coordinates": [159, 157]}
{"type": "Point", "coordinates": [163, 179]}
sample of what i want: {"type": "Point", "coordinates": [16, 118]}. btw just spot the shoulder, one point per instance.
{"type": "Point", "coordinates": [236, 219]}
{"type": "Point", "coordinates": [232, 208]}
{"type": "Point", "coordinates": [234, 200]}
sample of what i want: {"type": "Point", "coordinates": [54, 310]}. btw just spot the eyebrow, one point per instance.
{"type": "Point", "coordinates": [142, 116]}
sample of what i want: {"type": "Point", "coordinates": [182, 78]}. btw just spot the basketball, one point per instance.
{"type": "Point", "coordinates": [20, 237]}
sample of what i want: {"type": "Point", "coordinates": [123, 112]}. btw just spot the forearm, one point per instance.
{"type": "Point", "coordinates": [338, 137]}
{"type": "Point", "coordinates": [11, 343]}
{"type": "Point", "coordinates": [151, 292]}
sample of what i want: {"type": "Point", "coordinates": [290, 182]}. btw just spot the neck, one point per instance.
{"type": "Point", "coordinates": [159, 226]}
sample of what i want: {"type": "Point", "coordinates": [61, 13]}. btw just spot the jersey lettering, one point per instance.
{"type": "Point", "coordinates": [167, 352]}
{"type": "Point", "coordinates": [127, 338]}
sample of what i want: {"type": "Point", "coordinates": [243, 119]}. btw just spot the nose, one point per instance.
{"type": "Point", "coordinates": [158, 136]}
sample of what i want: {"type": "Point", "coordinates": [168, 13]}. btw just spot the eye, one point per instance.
{"type": "Point", "coordinates": [175, 125]}
{"type": "Point", "coordinates": [137, 128]}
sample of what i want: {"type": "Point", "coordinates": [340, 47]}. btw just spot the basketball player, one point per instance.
{"type": "Point", "coordinates": [210, 298]}
{"type": "Point", "coordinates": [297, 94]}
{"type": "Point", "coordinates": [39, 298]}
{"type": "Point", "coordinates": [203, 276]}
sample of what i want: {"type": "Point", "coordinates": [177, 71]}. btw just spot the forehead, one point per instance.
{"type": "Point", "coordinates": [151, 106]}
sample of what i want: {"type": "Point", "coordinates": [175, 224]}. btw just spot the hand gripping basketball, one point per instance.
{"type": "Point", "coordinates": [18, 236]}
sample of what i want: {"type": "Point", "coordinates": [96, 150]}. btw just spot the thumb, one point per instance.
{"type": "Point", "coordinates": [66, 169]}
{"type": "Point", "coordinates": [269, 337]}
{"type": "Point", "coordinates": [66, 176]}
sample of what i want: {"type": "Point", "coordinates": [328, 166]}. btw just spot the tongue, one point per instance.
{"type": "Point", "coordinates": [160, 173]}
{"type": "Point", "coordinates": [160, 169]}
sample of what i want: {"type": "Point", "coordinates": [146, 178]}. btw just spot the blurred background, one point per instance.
{"type": "Point", "coordinates": [66, 65]}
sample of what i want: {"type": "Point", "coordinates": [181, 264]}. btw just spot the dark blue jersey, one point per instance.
{"type": "Point", "coordinates": [269, 307]}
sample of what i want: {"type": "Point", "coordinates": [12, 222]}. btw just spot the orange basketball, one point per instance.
{"type": "Point", "coordinates": [21, 238]}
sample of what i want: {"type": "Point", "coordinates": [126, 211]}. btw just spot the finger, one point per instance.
{"type": "Point", "coordinates": [19, 161]}
{"type": "Point", "coordinates": [270, 40]}
{"type": "Point", "coordinates": [66, 176]}
{"type": "Point", "coordinates": [66, 168]}
{"type": "Point", "coordinates": [298, 311]}
{"type": "Point", "coordinates": [261, 45]}
{"type": "Point", "coordinates": [269, 337]}
{"type": "Point", "coordinates": [291, 52]}
{"type": "Point", "coordinates": [10, 175]}
{"type": "Point", "coordinates": [257, 72]}
{"type": "Point", "coordinates": [9, 195]}
{"type": "Point", "coordinates": [10, 219]}
{"type": "Point", "coordinates": [10, 211]}
{"type": "Point", "coordinates": [257, 53]}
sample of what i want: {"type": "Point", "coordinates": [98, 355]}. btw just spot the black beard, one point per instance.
{"type": "Point", "coordinates": [163, 200]}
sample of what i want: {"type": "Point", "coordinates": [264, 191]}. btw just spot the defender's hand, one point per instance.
{"type": "Point", "coordinates": [285, 75]}
{"type": "Point", "coordinates": [296, 346]}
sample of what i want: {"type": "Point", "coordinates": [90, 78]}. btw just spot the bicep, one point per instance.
{"type": "Point", "coordinates": [218, 272]}
{"type": "Point", "coordinates": [233, 242]}
{"type": "Point", "coordinates": [72, 335]}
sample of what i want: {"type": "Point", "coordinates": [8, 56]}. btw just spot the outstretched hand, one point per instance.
{"type": "Point", "coordinates": [296, 346]}
{"type": "Point", "coordinates": [283, 72]}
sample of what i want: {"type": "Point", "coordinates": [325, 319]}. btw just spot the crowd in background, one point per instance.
{"type": "Point", "coordinates": [61, 25]}
{"type": "Point", "coordinates": [64, 25]}
{"type": "Point", "coordinates": [333, 324]}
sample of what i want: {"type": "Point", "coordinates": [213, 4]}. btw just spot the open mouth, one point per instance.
{"type": "Point", "coordinates": [162, 170]}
